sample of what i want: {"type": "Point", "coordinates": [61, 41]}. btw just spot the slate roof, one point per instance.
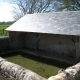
{"type": "Point", "coordinates": [65, 23]}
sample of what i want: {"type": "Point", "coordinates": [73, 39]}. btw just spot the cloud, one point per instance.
{"type": "Point", "coordinates": [6, 11]}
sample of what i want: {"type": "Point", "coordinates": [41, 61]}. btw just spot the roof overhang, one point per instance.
{"type": "Point", "coordinates": [65, 23]}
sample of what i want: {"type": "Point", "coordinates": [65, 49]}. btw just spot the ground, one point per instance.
{"type": "Point", "coordinates": [41, 66]}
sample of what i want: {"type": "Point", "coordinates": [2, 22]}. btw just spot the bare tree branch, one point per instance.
{"type": "Point", "coordinates": [31, 6]}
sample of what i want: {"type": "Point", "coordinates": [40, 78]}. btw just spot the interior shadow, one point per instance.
{"type": "Point", "coordinates": [39, 59]}
{"type": "Point", "coordinates": [46, 60]}
{"type": "Point", "coordinates": [9, 54]}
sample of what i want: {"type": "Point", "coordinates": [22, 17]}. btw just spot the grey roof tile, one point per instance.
{"type": "Point", "coordinates": [65, 23]}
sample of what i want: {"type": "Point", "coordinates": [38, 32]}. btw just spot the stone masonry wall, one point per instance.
{"type": "Point", "coordinates": [4, 44]}
{"type": "Point", "coordinates": [11, 71]}
{"type": "Point", "coordinates": [62, 45]}
{"type": "Point", "coordinates": [17, 40]}
{"type": "Point", "coordinates": [71, 73]}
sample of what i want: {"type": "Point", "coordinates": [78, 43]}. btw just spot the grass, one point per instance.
{"type": "Point", "coordinates": [4, 26]}
{"type": "Point", "coordinates": [42, 67]}
{"type": "Point", "coordinates": [2, 29]}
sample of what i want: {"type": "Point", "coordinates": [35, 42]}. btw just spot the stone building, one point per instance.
{"type": "Point", "coordinates": [54, 35]}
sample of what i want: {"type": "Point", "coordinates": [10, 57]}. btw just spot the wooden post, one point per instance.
{"type": "Point", "coordinates": [37, 42]}
{"type": "Point", "coordinates": [77, 50]}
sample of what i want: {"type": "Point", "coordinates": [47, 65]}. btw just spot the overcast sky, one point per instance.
{"type": "Point", "coordinates": [5, 11]}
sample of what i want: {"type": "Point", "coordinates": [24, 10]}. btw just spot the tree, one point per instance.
{"type": "Point", "coordinates": [69, 5]}
{"type": "Point", "coordinates": [76, 5]}
{"type": "Point", "coordinates": [23, 7]}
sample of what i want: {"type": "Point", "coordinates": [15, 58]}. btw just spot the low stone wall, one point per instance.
{"type": "Point", "coordinates": [4, 44]}
{"type": "Point", "coordinates": [11, 71]}
{"type": "Point", "coordinates": [71, 73]}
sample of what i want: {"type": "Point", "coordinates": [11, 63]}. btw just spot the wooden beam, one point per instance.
{"type": "Point", "coordinates": [77, 50]}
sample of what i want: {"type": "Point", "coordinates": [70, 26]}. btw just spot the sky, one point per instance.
{"type": "Point", "coordinates": [5, 11]}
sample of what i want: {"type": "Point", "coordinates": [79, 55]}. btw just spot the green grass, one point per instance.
{"type": "Point", "coordinates": [41, 68]}
{"type": "Point", "coordinates": [2, 29]}
{"type": "Point", "coordinates": [4, 26]}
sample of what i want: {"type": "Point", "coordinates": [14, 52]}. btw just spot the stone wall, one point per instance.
{"type": "Point", "coordinates": [50, 45]}
{"type": "Point", "coordinates": [11, 71]}
{"type": "Point", "coordinates": [30, 41]}
{"type": "Point", "coordinates": [17, 40]}
{"type": "Point", "coordinates": [61, 45]}
{"type": "Point", "coordinates": [71, 73]}
{"type": "Point", "coordinates": [46, 45]}
{"type": "Point", "coordinates": [4, 44]}
{"type": "Point", "coordinates": [57, 44]}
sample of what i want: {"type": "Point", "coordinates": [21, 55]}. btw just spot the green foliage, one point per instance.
{"type": "Point", "coordinates": [38, 6]}
{"type": "Point", "coordinates": [2, 29]}
{"type": "Point", "coordinates": [43, 69]}
{"type": "Point", "coordinates": [67, 5]}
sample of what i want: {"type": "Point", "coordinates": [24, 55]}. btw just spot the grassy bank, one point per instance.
{"type": "Point", "coordinates": [40, 66]}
